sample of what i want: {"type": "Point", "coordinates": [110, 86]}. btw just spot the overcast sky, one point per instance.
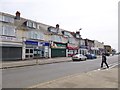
{"type": "Point", "coordinates": [97, 18]}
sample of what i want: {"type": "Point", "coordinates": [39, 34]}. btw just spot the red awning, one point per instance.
{"type": "Point", "coordinates": [72, 48]}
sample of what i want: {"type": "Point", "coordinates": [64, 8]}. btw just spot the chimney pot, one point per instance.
{"type": "Point", "coordinates": [17, 15]}
{"type": "Point", "coordinates": [57, 25]}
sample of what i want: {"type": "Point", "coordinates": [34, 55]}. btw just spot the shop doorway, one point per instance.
{"type": "Point", "coordinates": [29, 53]}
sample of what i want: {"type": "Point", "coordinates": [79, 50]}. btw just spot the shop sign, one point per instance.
{"type": "Point", "coordinates": [31, 42]}
{"type": "Point", "coordinates": [7, 38]}
{"type": "Point", "coordinates": [56, 45]}
{"type": "Point", "coordinates": [72, 47]}
{"type": "Point", "coordinates": [61, 45]}
{"type": "Point", "coordinates": [43, 44]}
{"type": "Point", "coordinates": [36, 43]}
{"type": "Point", "coordinates": [83, 46]}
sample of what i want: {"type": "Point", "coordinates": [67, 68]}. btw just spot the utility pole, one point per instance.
{"type": "Point", "coordinates": [37, 57]}
{"type": "Point", "coordinates": [79, 39]}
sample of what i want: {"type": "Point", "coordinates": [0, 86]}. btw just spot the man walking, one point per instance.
{"type": "Point", "coordinates": [104, 61]}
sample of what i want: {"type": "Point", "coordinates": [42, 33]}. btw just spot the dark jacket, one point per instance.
{"type": "Point", "coordinates": [103, 58]}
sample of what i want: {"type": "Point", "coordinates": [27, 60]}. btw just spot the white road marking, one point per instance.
{"type": "Point", "coordinates": [110, 66]}
{"type": "Point", "coordinates": [114, 65]}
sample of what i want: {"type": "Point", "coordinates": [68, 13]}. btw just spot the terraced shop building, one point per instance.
{"type": "Point", "coordinates": [9, 42]}
{"type": "Point", "coordinates": [22, 38]}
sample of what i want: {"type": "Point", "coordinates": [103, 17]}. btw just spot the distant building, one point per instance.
{"type": "Point", "coordinates": [108, 49]}
{"type": "Point", "coordinates": [98, 47]}
{"type": "Point", "coordinates": [72, 44]}
{"type": "Point", "coordinates": [90, 45]}
{"type": "Point", "coordinates": [83, 47]}
{"type": "Point", "coordinates": [10, 43]}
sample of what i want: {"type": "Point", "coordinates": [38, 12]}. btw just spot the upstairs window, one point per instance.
{"type": "Point", "coordinates": [31, 24]}
{"type": "Point", "coordinates": [36, 35]}
{"type": "Point", "coordinates": [53, 30]}
{"type": "Point", "coordinates": [8, 30]}
{"type": "Point", "coordinates": [71, 40]}
{"type": "Point", "coordinates": [7, 19]}
{"type": "Point", "coordinates": [67, 34]}
{"type": "Point", "coordinates": [0, 17]}
{"type": "Point", "coordinates": [56, 38]}
{"type": "Point", "coordinates": [34, 25]}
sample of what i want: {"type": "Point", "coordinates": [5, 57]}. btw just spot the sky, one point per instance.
{"type": "Point", "coordinates": [97, 18]}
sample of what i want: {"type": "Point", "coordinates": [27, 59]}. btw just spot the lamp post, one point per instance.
{"type": "Point", "coordinates": [79, 40]}
{"type": "Point", "coordinates": [37, 56]}
{"type": "Point", "coordinates": [79, 31]}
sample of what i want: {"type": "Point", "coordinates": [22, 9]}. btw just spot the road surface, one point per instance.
{"type": "Point", "coordinates": [24, 77]}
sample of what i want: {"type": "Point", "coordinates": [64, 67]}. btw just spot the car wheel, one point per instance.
{"type": "Point", "coordinates": [73, 60]}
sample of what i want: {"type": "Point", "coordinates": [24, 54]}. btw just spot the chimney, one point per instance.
{"type": "Point", "coordinates": [57, 27]}
{"type": "Point", "coordinates": [77, 32]}
{"type": "Point", "coordinates": [17, 15]}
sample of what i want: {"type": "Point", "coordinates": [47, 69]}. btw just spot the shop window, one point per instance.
{"type": "Point", "coordinates": [27, 51]}
{"type": "Point", "coordinates": [31, 50]}
{"type": "Point", "coordinates": [27, 56]}
{"type": "Point", "coordinates": [35, 51]}
{"type": "Point", "coordinates": [31, 56]}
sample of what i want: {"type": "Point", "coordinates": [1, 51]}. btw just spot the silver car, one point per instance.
{"type": "Point", "coordinates": [79, 57]}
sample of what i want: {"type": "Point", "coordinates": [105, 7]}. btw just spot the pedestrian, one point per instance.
{"type": "Point", "coordinates": [104, 60]}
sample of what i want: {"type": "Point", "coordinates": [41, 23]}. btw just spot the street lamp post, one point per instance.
{"type": "Point", "coordinates": [37, 56]}
{"type": "Point", "coordinates": [79, 40]}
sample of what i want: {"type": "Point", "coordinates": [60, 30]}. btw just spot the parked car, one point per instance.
{"type": "Point", "coordinates": [91, 56]}
{"type": "Point", "coordinates": [78, 57]}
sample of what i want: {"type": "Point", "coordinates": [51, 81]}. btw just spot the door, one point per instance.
{"type": "Point", "coordinates": [29, 53]}
{"type": "Point", "coordinates": [11, 53]}
{"type": "Point", "coordinates": [58, 52]}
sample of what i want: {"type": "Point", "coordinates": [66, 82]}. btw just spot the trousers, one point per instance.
{"type": "Point", "coordinates": [105, 63]}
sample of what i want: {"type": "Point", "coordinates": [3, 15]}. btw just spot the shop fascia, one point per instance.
{"type": "Point", "coordinates": [28, 42]}
{"type": "Point", "coordinates": [58, 45]}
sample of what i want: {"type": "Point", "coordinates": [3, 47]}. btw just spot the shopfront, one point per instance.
{"type": "Point", "coordinates": [83, 50]}
{"type": "Point", "coordinates": [58, 50]}
{"type": "Point", "coordinates": [72, 49]}
{"type": "Point", "coordinates": [35, 49]}
{"type": "Point", "coordinates": [95, 51]}
{"type": "Point", "coordinates": [10, 48]}
{"type": "Point", "coordinates": [11, 52]}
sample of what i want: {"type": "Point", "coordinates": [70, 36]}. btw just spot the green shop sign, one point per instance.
{"type": "Point", "coordinates": [61, 45]}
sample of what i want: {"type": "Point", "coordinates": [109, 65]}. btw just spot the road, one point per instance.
{"type": "Point", "coordinates": [24, 77]}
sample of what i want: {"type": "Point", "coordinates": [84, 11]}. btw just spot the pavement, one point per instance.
{"type": "Point", "coordinates": [22, 63]}
{"type": "Point", "coordinates": [106, 78]}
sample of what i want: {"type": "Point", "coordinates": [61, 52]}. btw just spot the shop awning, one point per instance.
{"type": "Point", "coordinates": [73, 48]}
